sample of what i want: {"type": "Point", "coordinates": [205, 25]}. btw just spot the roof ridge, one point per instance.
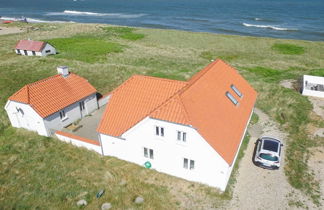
{"type": "Point", "coordinates": [168, 100]}
{"type": "Point", "coordinates": [158, 78]}
{"type": "Point", "coordinates": [199, 75]}
{"type": "Point", "coordinates": [43, 80]}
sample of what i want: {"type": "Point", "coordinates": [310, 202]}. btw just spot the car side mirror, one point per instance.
{"type": "Point", "coordinates": [281, 145]}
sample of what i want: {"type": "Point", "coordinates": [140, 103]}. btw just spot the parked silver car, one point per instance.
{"type": "Point", "coordinates": [268, 153]}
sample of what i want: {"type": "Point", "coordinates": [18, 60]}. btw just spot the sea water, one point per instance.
{"type": "Point", "coordinates": [290, 19]}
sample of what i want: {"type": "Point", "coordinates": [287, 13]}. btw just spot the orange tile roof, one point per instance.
{"type": "Point", "coordinates": [54, 93]}
{"type": "Point", "coordinates": [201, 103]}
{"type": "Point", "coordinates": [133, 100]}
{"type": "Point", "coordinates": [30, 45]}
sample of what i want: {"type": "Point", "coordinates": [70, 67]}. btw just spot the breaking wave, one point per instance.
{"type": "Point", "coordinates": [80, 13]}
{"type": "Point", "coordinates": [270, 27]}
{"type": "Point", "coordinates": [33, 20]}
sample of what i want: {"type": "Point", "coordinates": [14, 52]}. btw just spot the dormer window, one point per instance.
{"type": "Point", "coordinates": [232, 98]}
{"type": "Point", "coordinates": [236, 91]}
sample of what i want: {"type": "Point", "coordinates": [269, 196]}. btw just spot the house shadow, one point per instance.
{"type": "Point", "coordinates": [254, 152]}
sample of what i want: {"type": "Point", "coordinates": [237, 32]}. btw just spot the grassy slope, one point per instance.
{"type": "Point", "coordinates": [42, 172]}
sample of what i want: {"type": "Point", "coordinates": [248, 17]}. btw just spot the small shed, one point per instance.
{"type": "Point", "coordinates": [313, 86]}
{"type": "Point", "coordinates": [34, 48]}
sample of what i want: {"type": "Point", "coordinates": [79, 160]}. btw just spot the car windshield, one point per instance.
{"type": "Point", "coordinates": [270, 145]}
{"type": "Point", "coordinates": [268, 157]}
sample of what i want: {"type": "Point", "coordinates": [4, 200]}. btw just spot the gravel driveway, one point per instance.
{"type": "Point", "coordinates": [258, 188]}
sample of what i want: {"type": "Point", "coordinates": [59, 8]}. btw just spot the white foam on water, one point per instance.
{"type": "Point", "coordinates": [85, 13]}
{"type": "Point", "coordinates": [270, 27]}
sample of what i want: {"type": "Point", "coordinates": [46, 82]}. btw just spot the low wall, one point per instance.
{"type": "Point", "coordinates": [79, 141]}
{"type": "Point", "coordinates": [104, 100]}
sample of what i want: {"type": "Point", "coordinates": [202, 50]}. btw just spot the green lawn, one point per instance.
{"type": "Point", "coordinates": [45, 173]}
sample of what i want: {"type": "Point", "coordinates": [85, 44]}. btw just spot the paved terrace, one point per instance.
{"type": "Point", "coordinates": [87, 126]}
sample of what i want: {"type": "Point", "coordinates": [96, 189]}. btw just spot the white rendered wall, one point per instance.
{"type": "Point", "coordinates": [316, 80]}
{"type": "Point", "coordinates": [48, 47]}
{"type": "Point", "coordinates": [104, 100]}
{"type": "Point", "coordinates": [72, 113]}
{"type": "Point", "coordinates": [91, 103]}
{"type": "Point", "coordinates": [210, 167]}
{"type": "Point", "coordinates": [79, 143]}
{"type": "Point", "coordinates": [30, 120]}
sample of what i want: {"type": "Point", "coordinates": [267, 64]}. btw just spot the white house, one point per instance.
{"type": "Point", "coordinates": [34, 48]}
{"type": "Point", "coordinates": [191, 130]}
{"type": "Point", "coordinates": [52, 103]}
{"type": "Point", "coordinates": [313, 86]}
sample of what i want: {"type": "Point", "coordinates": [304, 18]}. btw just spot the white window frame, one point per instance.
{"type": "Point", "coordinates": [182, 136]}
{"type": "Point", "coordinates": [159, 131]}
{"type": "Point", "coordinates": [188, 164]}
{"type": "Point", "coordinates": [148, 153]}
{"type": "Point", "coordinates": [63, 115]}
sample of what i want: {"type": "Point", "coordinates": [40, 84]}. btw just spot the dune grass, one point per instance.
{"type": "Point", "coordinates": [45, 173]}
{"type": "Point", "coordinates": [289, 49]}
{"type": "Point", "coordinates": [123, 32]}
{"type": "Point", "coordinates": [84, 48]}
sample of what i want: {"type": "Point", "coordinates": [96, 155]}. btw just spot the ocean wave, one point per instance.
{"type": "Point", "coordinates": [270, 27]}
{"type": "Point", "coordinates": [80, 13]}
{"type": "Point", "coordinates": [32, 20]}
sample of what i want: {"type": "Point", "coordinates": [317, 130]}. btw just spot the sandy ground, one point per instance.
{"type": "Point", "coordinates": [11, 30]}
{"type": "Point", "coordinates": [258, 188]}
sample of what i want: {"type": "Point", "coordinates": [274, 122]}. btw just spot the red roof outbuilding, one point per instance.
{"type": "Point", "coordinates": [30, 45]}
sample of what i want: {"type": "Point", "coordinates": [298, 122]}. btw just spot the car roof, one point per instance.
{"type": "Point", "coordinates": [270, 144]}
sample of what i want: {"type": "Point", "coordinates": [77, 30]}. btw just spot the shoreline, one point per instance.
{"type": "Point", "coordinates": [271, 29]}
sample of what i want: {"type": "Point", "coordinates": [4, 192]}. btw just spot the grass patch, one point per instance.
{"type": "Point", "coordinates": [288, 49]}
{"type": "Point", "coordinates": [207, 55]}
{"type": "Point", "coordinates": [270, 75]}
{"type": "Point", "coordinates": [84, 48]}
{"type": "Point", "coordinates": [254, 119]}
{"type": "Point", "coordinates": [317, 72]}
{"type": "Point", "coordinates": [123, 32]}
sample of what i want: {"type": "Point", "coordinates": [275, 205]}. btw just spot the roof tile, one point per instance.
{"type": "Point", "coordinates": [30, 45]}
{"type": "Point", "coordinates": [54, 93]}
{"type": "Point", "coordinates": [201, 103]}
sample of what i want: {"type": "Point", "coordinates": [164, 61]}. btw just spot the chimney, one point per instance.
{"type": "Point", "coordinates": [63, 70]}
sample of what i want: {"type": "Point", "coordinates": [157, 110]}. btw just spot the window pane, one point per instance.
{"type": "Point", "coordinates": [184, 135]}
{"type": "Point", "coordinates": [236, 91]}
{"type": "Point", "coordinates": [145, 152]}
{"type": "Point", "coordinates": [179, 135]}
{"type": "Point", "coordinates": [231, 97]}
{"type": "Point", "coordinates": [151, 154]}
{"type": "Point", "coordinates": [192, 164]}
{"type": "Point", "coordinates": [185, 163]}
{"type": "Point", "coordinates": [157, 130]}
{"type": "Point", "coordinates": [162, 131]}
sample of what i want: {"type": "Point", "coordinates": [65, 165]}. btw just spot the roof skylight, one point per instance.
{"type": "Point", "coordinates": [236, 91]}
{"type": "Point", "coordinates": [232, 98]}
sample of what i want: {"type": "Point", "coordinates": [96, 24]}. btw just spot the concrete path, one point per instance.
{"type": "Point", "coordinates": [89, 125]}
